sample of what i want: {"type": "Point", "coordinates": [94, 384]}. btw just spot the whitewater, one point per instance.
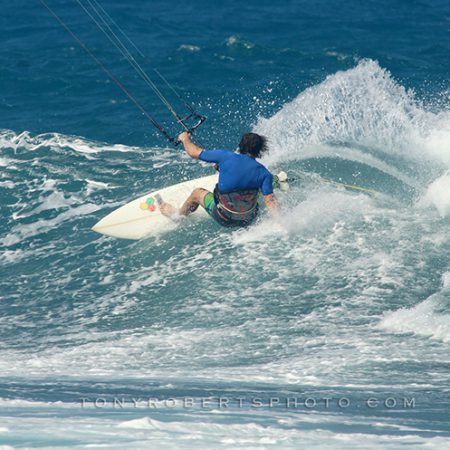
{"type": "Point", "coordinates": [132, 344]}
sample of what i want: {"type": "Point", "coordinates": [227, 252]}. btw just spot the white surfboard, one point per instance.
{"type": "Point", "coordinates": [142, 217]}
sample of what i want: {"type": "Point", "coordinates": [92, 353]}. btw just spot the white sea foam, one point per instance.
{"type": "Point", "coordinates": [24, 140]}
{"type": "Point", "coordinates": [438, 195]}
{"type": "Point", "coordinates": [93, 186]}
{"type": "Point", "coordinates": [8, 184]}
{"type": "Point", "coordinates": [24, 231]}
{"type": "Point", "coordinates": [98, 184]}
{"type": "Point", "coordinates": [254, 435]}
{"type": "Point", "coordinates": [446, 280]}
{"type": "Point", "coordinates": [191, 430]}
{"type": "Point", "coordinates": [55, 200]}
{"type": "Point", "coordinates": [424, 319]}
{"type": "Point", "coordinates": [20, 403]}
{"type": "Point", "coordinates": [323, 209]}
{"type": "Point", "coordinates": [236, 41]}
{"type": "Point", "coordinates": [428, 318]}
{"type": "Point", "coordinates": [189, 48]}
{"type": "Point", "coordinates": [320, 211]}
{"type": "Point", "coordinates": [363, 106]}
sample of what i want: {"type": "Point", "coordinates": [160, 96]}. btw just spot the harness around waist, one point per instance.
{"type": "Point", "coordinates": [239, 205]}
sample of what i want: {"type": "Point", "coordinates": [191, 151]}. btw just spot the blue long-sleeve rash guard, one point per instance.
{"type": "Point", "coordinates": [239, 172]}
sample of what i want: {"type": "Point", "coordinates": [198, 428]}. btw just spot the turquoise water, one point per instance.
{"type": "Point", "coordinates": [332, 333]}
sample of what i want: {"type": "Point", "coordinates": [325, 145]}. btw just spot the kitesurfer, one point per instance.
{"type": "Point", "coordinates": [234, 202]}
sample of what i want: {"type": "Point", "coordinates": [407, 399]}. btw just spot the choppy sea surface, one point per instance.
{"type": "Point", "coordinates": [333, 333]}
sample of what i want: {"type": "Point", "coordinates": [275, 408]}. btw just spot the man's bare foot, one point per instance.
{"type": "Point", "coordinates": [168, 210]}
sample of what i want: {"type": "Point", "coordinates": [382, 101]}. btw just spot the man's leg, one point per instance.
{"type": "Point", "coordinates": [196, 198]}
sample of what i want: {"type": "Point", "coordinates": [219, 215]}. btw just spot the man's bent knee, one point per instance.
{"type": "Point", "coordinates": [198, 194]}
{"type": "Point", "coordinates": [200, 191]}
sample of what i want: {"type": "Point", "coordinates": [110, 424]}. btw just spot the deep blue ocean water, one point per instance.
{"type": "Point", "coordinates": [331, 334]}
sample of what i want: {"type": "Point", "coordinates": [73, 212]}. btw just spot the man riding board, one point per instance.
{"type": "Point", "coordinates": [234, 202]}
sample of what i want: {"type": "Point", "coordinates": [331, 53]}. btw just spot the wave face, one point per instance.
{"type": "Point", "coordinates": [337, 324]}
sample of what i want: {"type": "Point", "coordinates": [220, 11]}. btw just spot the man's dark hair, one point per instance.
{"type": "Point", "coordinates": [253, 144]}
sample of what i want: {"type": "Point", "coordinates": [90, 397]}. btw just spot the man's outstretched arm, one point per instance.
{"type": "Point", "coordinates": [191, 149]}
